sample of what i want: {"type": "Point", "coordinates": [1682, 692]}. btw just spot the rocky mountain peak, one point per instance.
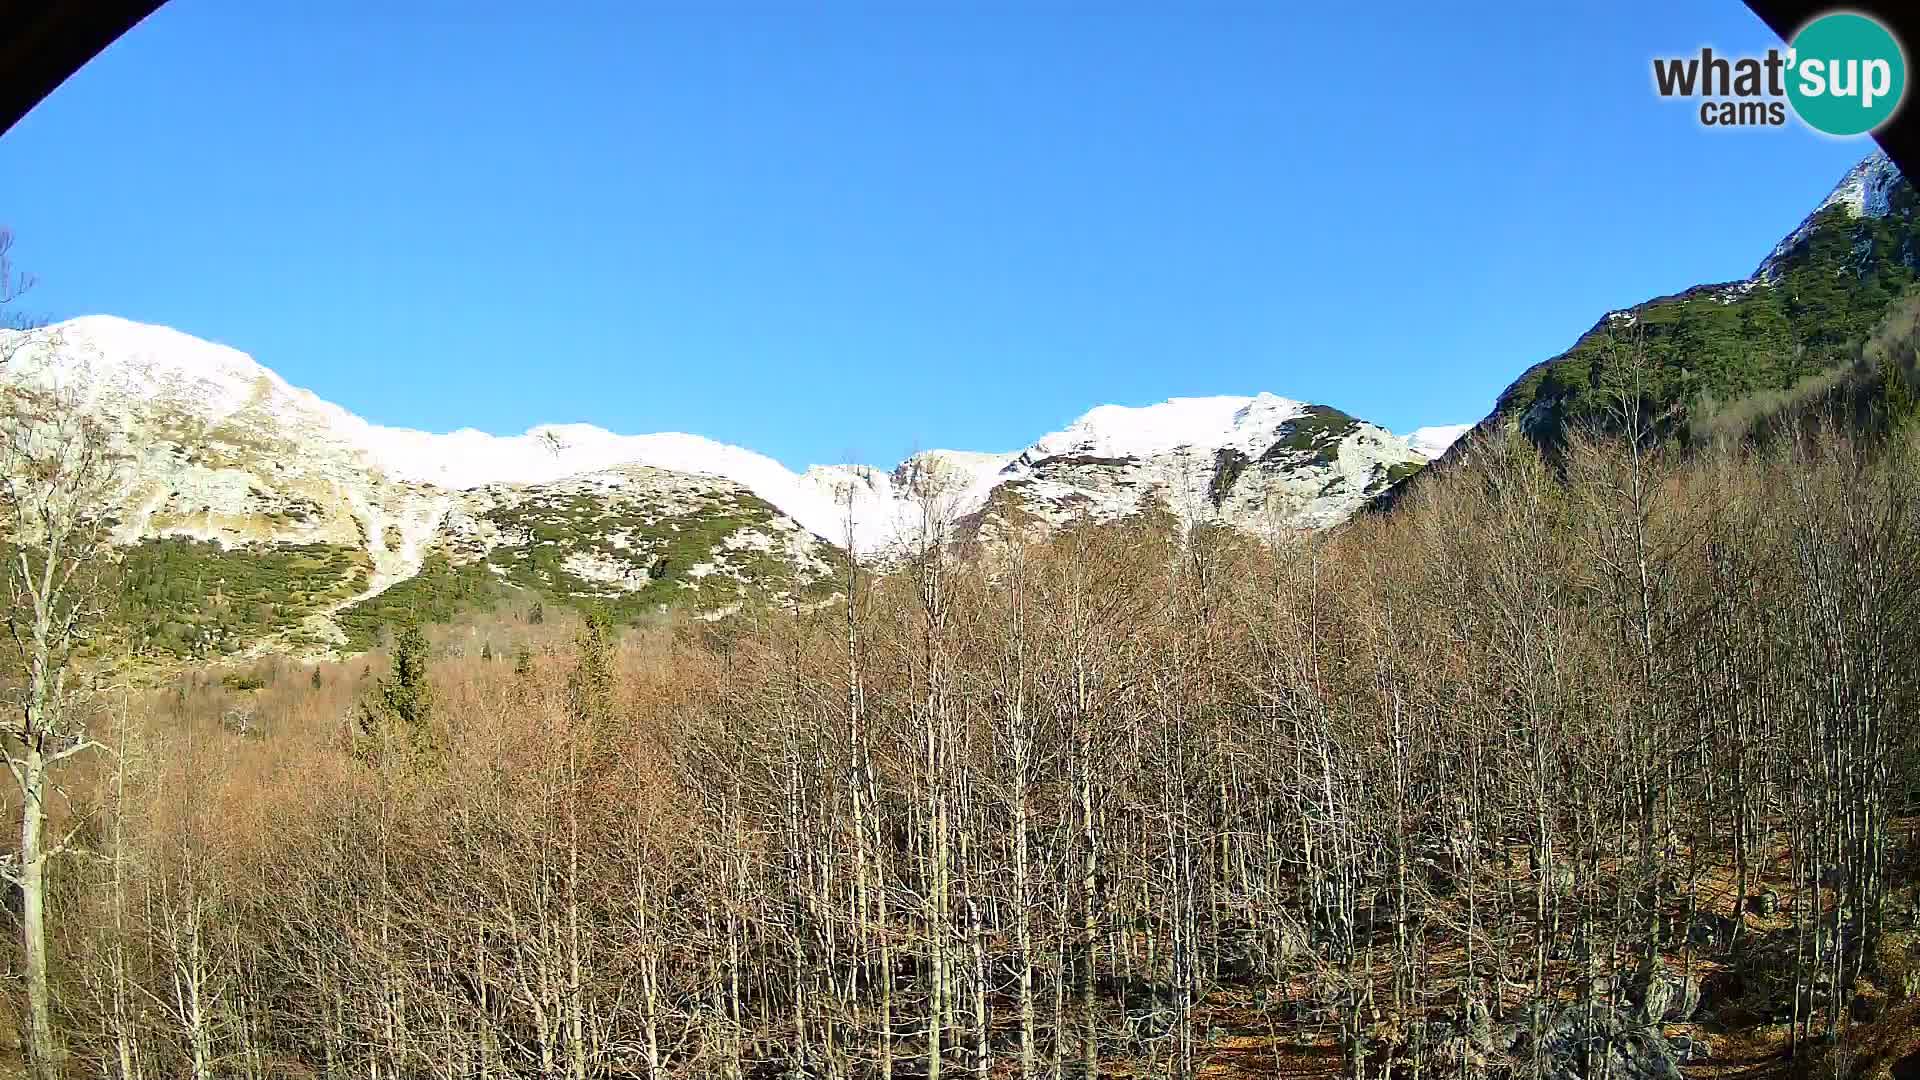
{"type": "Point", "coordinates": [228, 454]}
{"type": "Point", "coordinates": [1865, 191]}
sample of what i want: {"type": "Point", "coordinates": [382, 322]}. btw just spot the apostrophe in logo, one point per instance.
{"type": "Point", "coordinates": [1847, 74]}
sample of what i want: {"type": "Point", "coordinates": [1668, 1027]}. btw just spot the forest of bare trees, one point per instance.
{"type": "Point", "coordinates": [1494, 784]}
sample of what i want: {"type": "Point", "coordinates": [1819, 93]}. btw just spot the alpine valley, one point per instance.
{"type": "Point", "coordinates": [262, 518]}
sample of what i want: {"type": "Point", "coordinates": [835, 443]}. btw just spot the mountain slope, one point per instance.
{"type": "Point", "coordinates": [257, 512]}
{"type": "Point", "coordinates": [1259, 463]}
{"type": "Point", "coordinates": [1814, 296]}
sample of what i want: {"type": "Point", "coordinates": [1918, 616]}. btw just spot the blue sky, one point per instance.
{"type": "Point", "coordinates": [835, 232]}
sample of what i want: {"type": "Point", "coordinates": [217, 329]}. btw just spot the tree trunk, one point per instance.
{"type": "Point", "coordinates": [43, 1052]}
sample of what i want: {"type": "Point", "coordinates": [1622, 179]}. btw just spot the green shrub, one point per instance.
{"type": "Point", "coordinates": [436, 594]}
{"type": "Point", "coordinates": [1724, 344]}
{"type": "Point", "coordinates": [191, 598]}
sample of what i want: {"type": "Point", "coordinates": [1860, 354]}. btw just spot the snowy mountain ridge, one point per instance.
{"type": "Point", "coordinates": [1431, 442]}
{"type": "Point", "coordinates": [117, 362]}
{"type": "Point", "coordinates": [229, 462]}
{"type": "Point", "coordinates": [1212, 422]}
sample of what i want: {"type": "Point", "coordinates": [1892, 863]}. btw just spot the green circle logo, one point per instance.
{"type": "Point", "coordinates": [1847, 74]}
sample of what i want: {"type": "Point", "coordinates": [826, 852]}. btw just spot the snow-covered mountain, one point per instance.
{"type": "Point", "coordinates": [1258, 463]}
{"type": "Point", "coordinates": [226, 451]}
{"type": "Point", "coordinates": [1866, 191]}
{"type": "Point", "coordinates": [1431, 442]}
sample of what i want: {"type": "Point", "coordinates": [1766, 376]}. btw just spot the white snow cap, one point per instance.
{"type": "Point", "coordinates": [1866, 191]}
{"type": "Point", "coordinates": [119, 361]}
{"type": "Point", "coordinates": [1431, 442]}
{"type": "Point", "coordinates": [1147, 430]}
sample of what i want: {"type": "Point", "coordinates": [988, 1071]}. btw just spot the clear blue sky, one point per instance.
{"type": "Point", "coordinates": [844, 233]}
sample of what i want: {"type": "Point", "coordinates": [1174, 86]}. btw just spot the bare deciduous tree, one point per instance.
{"type": "Point", "coordinates": [59, 477]}
{"type": "Point", "coordinates": [13, 284]}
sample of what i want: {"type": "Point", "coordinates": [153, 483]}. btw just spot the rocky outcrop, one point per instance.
{"type": "Point", "coordinates": [225, 452]}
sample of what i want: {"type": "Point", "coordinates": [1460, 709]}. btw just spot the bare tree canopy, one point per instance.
{"type": "Point", "coordinates": [59, 485]}
{"type": "Point", "coordinates": [1519, 780]}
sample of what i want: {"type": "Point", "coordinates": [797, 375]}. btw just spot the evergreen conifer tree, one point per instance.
{"type": "Point", "coordinates": [398, 716]}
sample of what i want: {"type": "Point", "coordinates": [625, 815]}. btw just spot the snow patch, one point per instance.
{"type": "Point", "coordinates": [1113, 431]}
{"type": "Point", "coordinates": [1866, 191]}
{"type": "Point", "coordinates": [284, 431]}
{"type": "Point", "coordinates": [1431, 442]}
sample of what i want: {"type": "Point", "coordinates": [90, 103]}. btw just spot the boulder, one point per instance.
{"type": "Point", "coordinates": [1516, 1034]}
{"type": "Point", "coordinates": [1441, 879]}
{"type": "Point", "coordinates": [1651, 996]}
{"type": "Point", "coordinates": [1688, 1049]}
{"type": "Point", "coordinates": [1660, 996]}
{"type": "Point", "coordinates": [1450, 1046]}
{"type": "Point", "coordinates": [1237, 963]}
{"type": "Point", "coordinates": [1711, 931]}
{"type": "Point", "coordinates": [1605, 1044]}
